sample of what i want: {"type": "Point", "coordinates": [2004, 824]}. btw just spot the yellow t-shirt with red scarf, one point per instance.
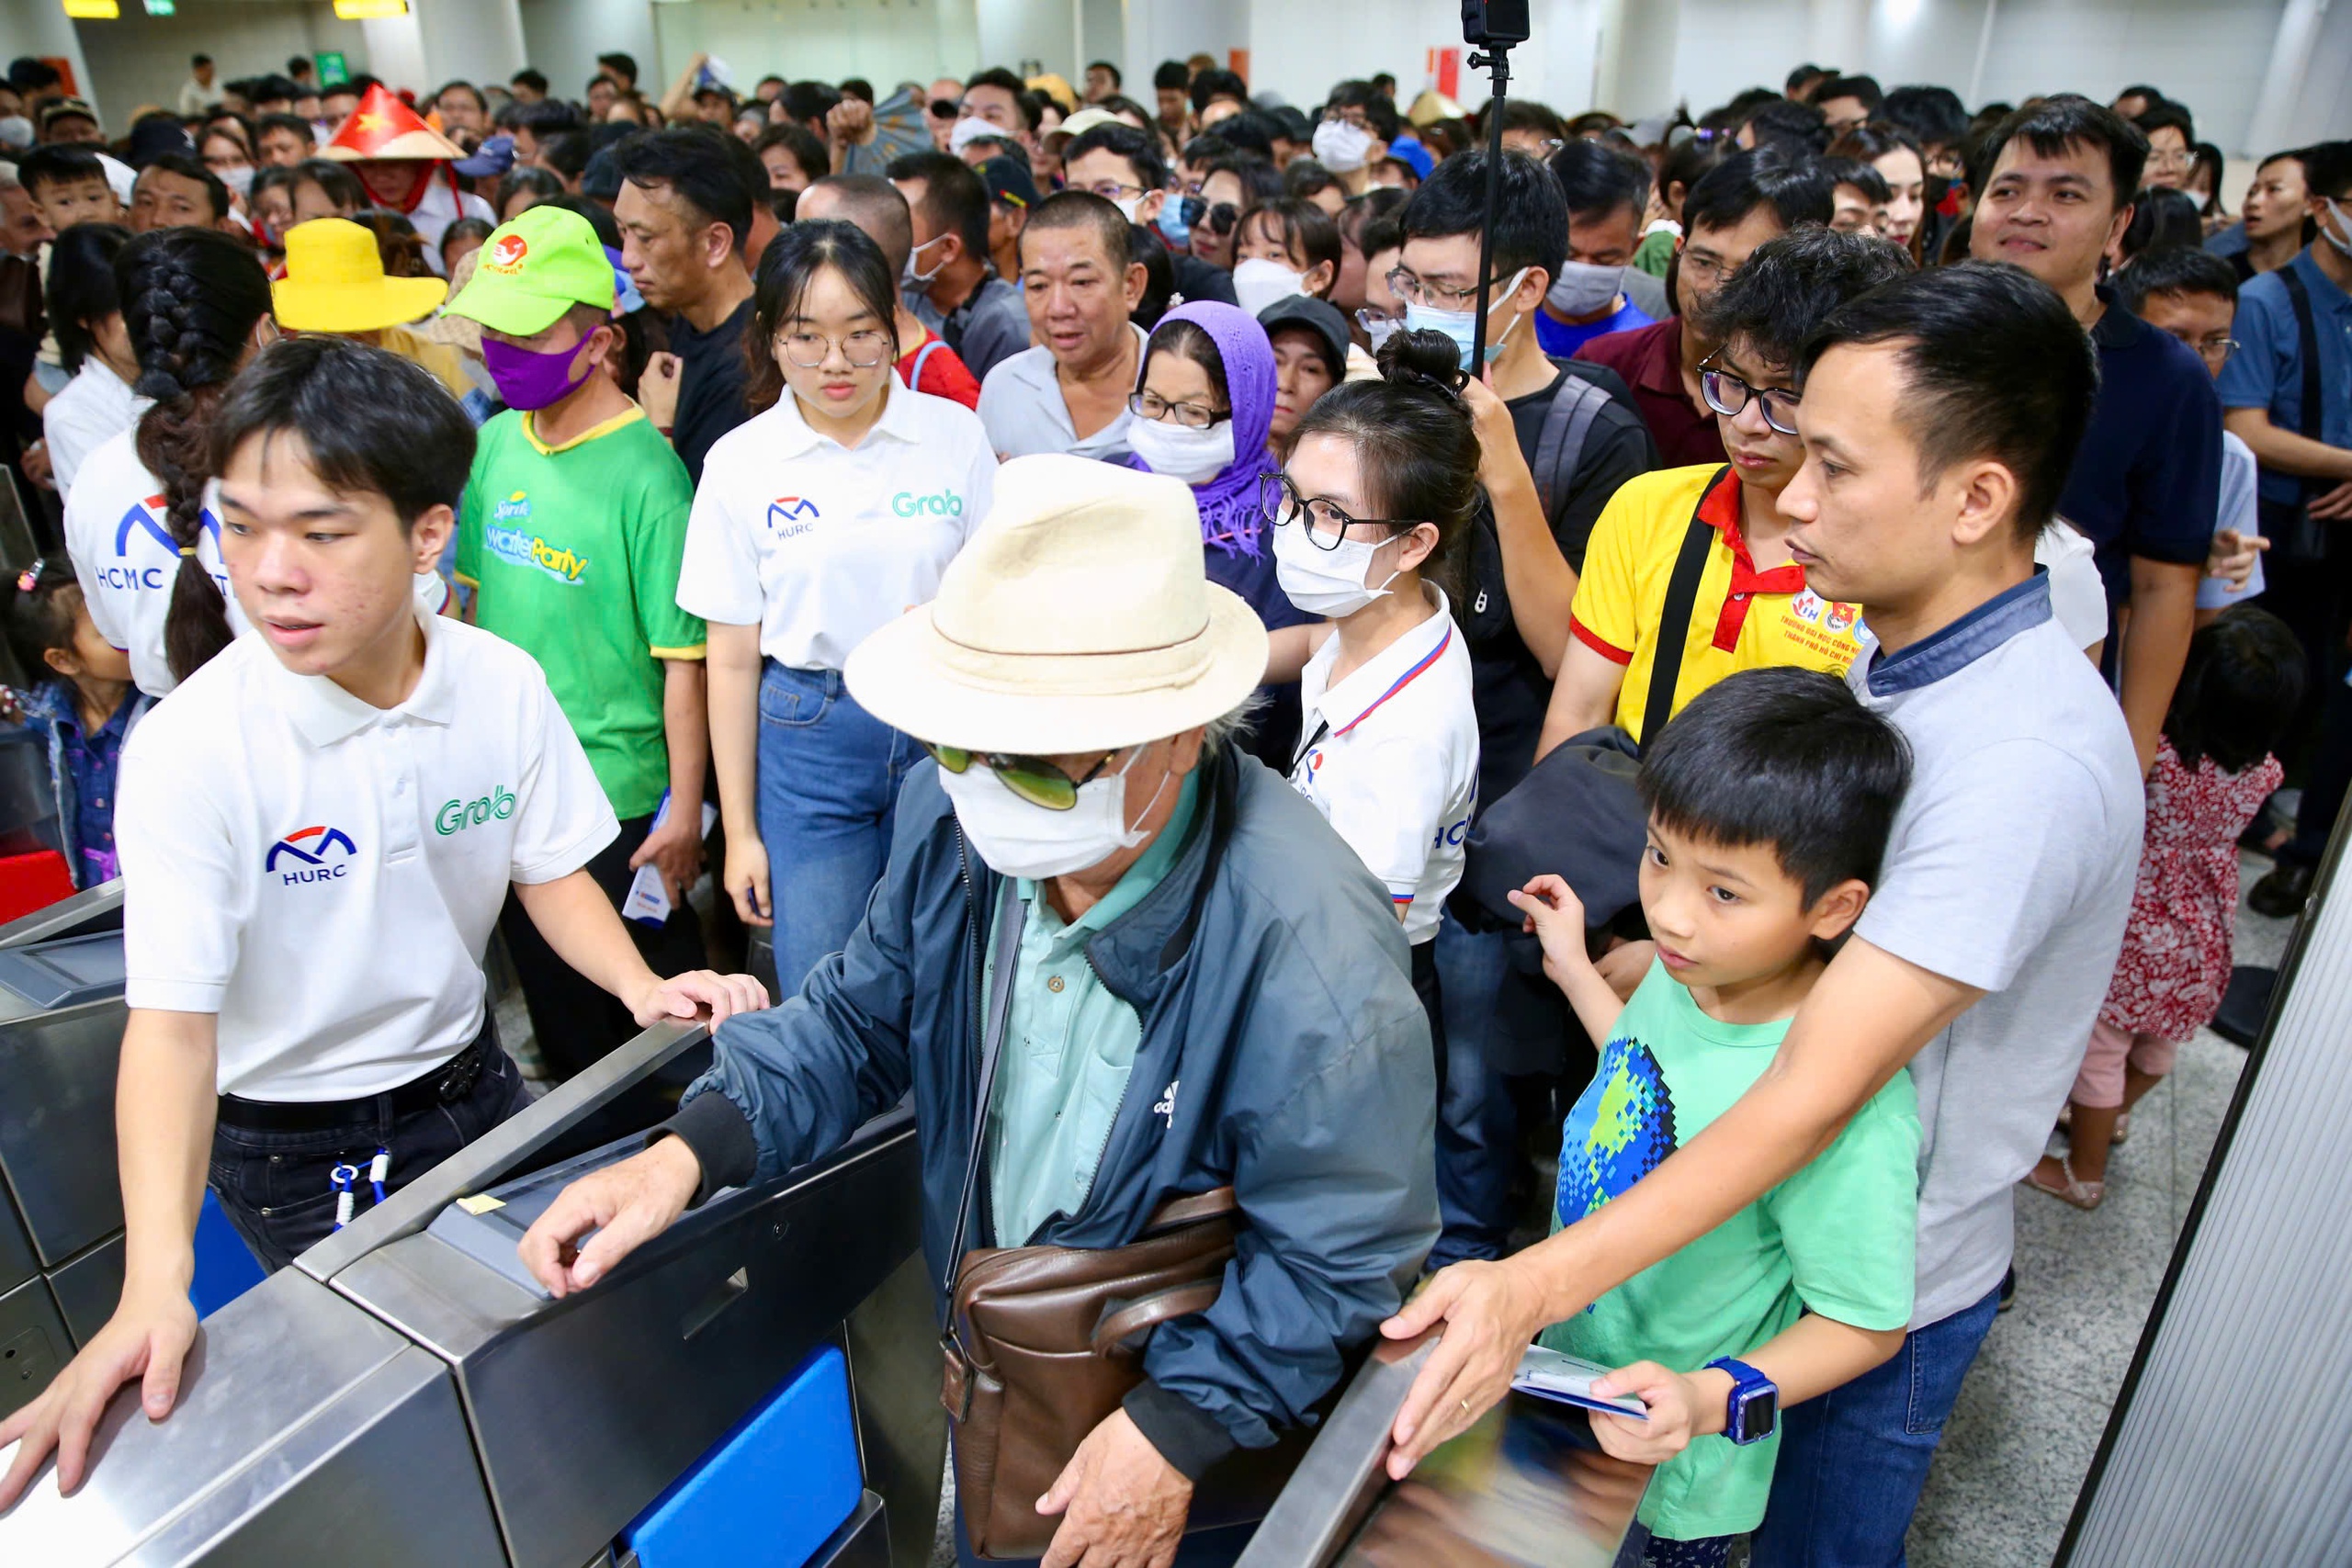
{"type": "Point", "coordinates": [1742, 619]}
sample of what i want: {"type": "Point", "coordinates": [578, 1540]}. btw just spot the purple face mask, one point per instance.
{"type": "Point", "coordinates": [527, 379]}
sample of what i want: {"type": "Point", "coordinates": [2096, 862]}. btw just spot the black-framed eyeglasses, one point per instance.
{"type": "Point", "coordinates": [1327, 525]}
{"type": "Point", "coordinates": [1034, 779]}
{"type": "Point", "coordinates": [1192, 416]}
{"type": "Point", "coordinates": [1727, 394]}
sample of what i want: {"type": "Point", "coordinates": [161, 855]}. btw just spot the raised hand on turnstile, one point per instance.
{"type": "Point", "coordinates": [625, 1205]}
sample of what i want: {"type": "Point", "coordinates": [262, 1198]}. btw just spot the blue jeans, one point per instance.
{"type": "Point", "coordinates": [1853, 1461]}
{"type": "Point", "coordinates": [1476, 1132]}
{"type": "Point", "coordinates": [277, 1187]}
{"type": "Point", "coordinates": [829, 780]}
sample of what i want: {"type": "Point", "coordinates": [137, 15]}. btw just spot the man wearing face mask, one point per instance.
{"type": "Point", "coordinates": [1558, 438]}
{"type": "Point", "coordinates": [949, 282]}
{"type": "Point", "coordinates": [1605, 190]}
{"type": "Point", "coordinates": [1125, 167]}
{"type": "Point", "coordinates": [571, 529]}
{"type": "Point", "coordinates": [1357, 124]}
{"type": "Point", "coordinates": [1200, 982]}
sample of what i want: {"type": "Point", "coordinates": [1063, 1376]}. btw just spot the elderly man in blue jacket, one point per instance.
{"type": "Point", "coordinates": [1209, 990]}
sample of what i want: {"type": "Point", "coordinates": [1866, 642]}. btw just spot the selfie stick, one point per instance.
{"type": "Point", "coordinates": [1492, 26]}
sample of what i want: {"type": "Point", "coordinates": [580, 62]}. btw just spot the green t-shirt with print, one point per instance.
{"type": "Point", "coordinates": [1836, 1238]}
{"type": "Point", "coordinates": [574, 552]}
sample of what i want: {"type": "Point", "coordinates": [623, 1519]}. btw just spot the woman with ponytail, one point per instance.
{"type": "Point", "coordinates": [140, 525]}
{"type": "Point", "coordinates": [1369, 519]}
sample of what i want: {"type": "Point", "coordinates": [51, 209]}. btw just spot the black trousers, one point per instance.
{"type": "Point", "coordinates": [577, 1022]}
{"type": "Point", "coordinates": [277, 1187]}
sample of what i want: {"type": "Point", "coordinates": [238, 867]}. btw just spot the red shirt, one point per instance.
{"type": "Point", "coordinates": [943, 373]}
{"type": "Point", "coordinates": [1650, 359]}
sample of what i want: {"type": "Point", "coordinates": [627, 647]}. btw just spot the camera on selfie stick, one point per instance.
{"type": "Point", "coordinates": [1492, 26]}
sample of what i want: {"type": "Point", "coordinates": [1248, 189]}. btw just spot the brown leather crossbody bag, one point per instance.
{"type": "Point", "coordinates": [1042, 1343]}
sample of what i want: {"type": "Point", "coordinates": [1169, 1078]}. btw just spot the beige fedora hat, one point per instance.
{"type": "Point", "coordinates": [1079, 617]}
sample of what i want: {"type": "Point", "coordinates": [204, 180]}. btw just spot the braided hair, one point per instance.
{"type": "Point", "coordinates": [191, 298]}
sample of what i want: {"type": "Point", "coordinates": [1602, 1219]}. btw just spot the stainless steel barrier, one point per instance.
{"type": "Point", "coordinates": [1526, 1485]}
{"type": "Point", "coordinates": [60, 1208]}
{"type": "Point", "coordinates": [392, 1399]}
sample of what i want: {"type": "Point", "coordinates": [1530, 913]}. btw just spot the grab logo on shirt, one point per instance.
{"type": "Point", "coordinates": [946, 503]}
{"type": "Point", "coordinates": [145, 520]}
{"type": "Point", "coordinates": [314, 848]}
{"type": "Point", "coordinates": [789, 517]}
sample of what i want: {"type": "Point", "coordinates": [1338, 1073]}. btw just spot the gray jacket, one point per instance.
{"type": "Point", "coordinates": [1283, 1052]}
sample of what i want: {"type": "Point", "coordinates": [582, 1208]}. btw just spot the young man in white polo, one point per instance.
{"type": "Point", "coordinates": [317, 832]}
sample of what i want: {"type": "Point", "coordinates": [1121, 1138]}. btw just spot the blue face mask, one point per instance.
{"type": "Point", "coordinates": [1175, 224]}
{"type": "Point", "coordinates": [1462, 326]}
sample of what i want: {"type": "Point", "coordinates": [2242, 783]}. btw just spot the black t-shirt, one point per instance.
{"type": "Point", "coordinates": [711, 384]}
{"type": "Point", "coordinates": [1508, 685]}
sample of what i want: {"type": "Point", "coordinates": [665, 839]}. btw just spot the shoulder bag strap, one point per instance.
{"type": "Point", "coordinates": [1674, 620]}
{"type": "Point", "coordinates": [1006, 958]}
{"type": "Point", "coordinates": [2307, 342]}
{"type": "Point", "coordinates": [923, 358]}
{"type": "Point", "coordinates": [1575, 406]}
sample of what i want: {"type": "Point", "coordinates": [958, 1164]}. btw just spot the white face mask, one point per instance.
{"type": "Point", "coordinates": [970, 128]}
{"type": "Point", "coordinates": [1127, 209]}
{"type": "Point", "coordinates": [915, 282]}
{"type": "Point", "coordinates": [1196, 457]}
{"type": "Point", "coordinates": [1341, 147]}
{"type": "Point", "coordinates": [1321, 581]}
{"type": "Point", "coordinates": [2342, 243]}
{"type": "Point", "coordinates": [1257, 283]}
{"type": "Point", "coordinates": [1381, 332]}
{"type": "Point", "coordinates": [1584, 289]}
{"type": "Point", "coordinates": [1017, 838]}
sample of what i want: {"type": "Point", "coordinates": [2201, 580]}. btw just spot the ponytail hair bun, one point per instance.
{"type": "Point", "coordinates": [1422, 356]}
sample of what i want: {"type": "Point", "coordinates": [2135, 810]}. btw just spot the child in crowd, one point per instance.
{"type": "Point", "coordinates": [2214, 768]}
{"type": "Point", "coordinates": [1770, 799]}
{"type": "Point", "coordinates": [83, 704]}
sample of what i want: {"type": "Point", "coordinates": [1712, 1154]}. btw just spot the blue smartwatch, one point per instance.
{"type": "Point", "coordinates": [1754, 1401]}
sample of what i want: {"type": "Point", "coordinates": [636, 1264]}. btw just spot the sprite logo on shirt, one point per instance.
{"type": "Point", "coordinates": [507, 536]}
{"type": "Point", "coordinates": [456, 816]}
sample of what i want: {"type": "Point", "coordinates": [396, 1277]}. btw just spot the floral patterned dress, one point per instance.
{"type": "Point", "coordinates": [2175, 960]}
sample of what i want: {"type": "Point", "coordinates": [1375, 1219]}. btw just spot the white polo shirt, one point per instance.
{"type": "Point", "coordinates": [96, 406]}
{"type": "Point", "coordinates": [1392, 760]}
{"type": "Point", "coordinates": [324, 874]}
{"type": "Point", "coordinates": [818, 544]}
{"type": "Point", "coordinates": [125, 559]}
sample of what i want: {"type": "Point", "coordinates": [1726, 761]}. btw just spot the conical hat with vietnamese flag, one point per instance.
{"type": "Point", "coordinates": [383, 127]}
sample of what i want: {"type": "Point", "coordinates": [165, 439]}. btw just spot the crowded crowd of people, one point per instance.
{"type": "Point", "coordinates": [1063, 563]}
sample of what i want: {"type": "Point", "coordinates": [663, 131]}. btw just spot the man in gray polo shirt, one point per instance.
{"type": "Point", "coordinates": [1070, 393]}
{"type": "Point", "coordinates": [1940, 415]}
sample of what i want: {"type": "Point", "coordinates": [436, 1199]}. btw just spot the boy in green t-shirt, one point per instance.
{"type": "Point", "coordinates": [572, 530]}
{"type": "Point", "coordinates": [1771, 797]}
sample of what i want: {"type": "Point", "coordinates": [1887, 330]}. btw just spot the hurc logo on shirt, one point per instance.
{"type": "Point", "coordinates": [310, 846]}
{"type": "Point", "coordinates": [790, 515]}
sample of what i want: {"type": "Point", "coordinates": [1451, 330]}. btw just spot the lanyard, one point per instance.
{"type": "Point", "coordinates": [343, 1178]}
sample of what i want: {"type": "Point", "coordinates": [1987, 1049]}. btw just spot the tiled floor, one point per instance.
{"type": "Point", "coordinates": [2032, 1411]}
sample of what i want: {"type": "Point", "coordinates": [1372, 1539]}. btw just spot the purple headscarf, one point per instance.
{"type": "Point", "coordinates": [1230, 515]}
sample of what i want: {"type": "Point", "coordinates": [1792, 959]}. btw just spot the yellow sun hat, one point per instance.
{"type": "Point", "coordinates": [335, 282]}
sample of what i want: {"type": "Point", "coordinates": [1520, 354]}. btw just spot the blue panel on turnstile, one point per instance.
{"type": "Point", "coordinates": [225, 1266]}
{"type": "Point", "coordinates": [769, 1493]}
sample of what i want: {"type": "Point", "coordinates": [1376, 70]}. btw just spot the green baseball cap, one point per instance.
{"type": "Point", "coordinates": [534, 269]}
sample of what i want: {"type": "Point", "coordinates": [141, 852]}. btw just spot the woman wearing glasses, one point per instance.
{"type": "Point", "coordinates": [1203, 409]}
{"type": "Point", "coordinates": [1370, 518]}
{"type": "Point", "coordinates": [817, 520]}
